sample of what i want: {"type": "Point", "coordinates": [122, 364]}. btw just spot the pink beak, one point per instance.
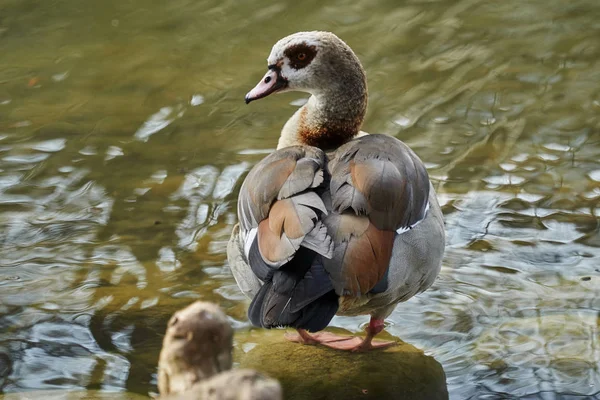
{"type": "Point", "coordinates": [270, 83]}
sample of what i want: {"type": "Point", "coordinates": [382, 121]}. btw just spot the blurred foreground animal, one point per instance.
{"type": "Point", "coordinates": [196, 358]}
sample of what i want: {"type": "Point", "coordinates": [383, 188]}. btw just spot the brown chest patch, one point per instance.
{"type": "Point", "coordinates": [331, 136]}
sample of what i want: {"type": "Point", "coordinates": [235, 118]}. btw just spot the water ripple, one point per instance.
{"type": "Point", "coordinates": [121, 156]}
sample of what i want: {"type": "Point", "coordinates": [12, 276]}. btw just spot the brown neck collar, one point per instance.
{"type": "Point", "coordinates": [329, 135]}
{"type": "Point", "coordinates": [331, 120]}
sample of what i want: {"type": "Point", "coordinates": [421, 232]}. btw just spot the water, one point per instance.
{"type": "Point", "coordinates": [124, 139]}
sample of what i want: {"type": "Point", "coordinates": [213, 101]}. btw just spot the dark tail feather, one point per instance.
{"type": "Point", "coordinates": [299, 295]}
{"type": "Point", "coordinates": [255, 309]}
{"type": "Point", "coordinates": [318, 314]}
{"type": "Point", "coordinates": [276, 310]}
{"type": "Point", "coordinates": [271, 310]}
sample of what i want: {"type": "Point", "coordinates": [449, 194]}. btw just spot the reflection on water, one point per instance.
{"type": "Point", "coordinates": [124, 137]}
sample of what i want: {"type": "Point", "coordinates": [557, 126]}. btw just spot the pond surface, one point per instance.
{"type": "Point", "coordinates": [124, 139]}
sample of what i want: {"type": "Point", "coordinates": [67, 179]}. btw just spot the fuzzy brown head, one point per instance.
{"type": "Point", "coordinates": [199, 336]}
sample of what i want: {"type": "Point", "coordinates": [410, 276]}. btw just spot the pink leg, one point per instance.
{"type": "Point", "coordinates": [345, 343]}
{"type": "Point", "coordinates": [317, 338]}
{"type": "Point", "coordinates": [375, 326]}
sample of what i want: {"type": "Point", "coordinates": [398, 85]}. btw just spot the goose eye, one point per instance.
{"type": "Point", "coordinates": [300, 55]}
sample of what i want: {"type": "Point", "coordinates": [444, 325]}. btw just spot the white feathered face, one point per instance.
{"type": "Point", "coordinates": [292, 65]}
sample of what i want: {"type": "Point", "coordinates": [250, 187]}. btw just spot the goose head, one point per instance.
{"type": "Point", "coordinates": [323, 65]}
{"type": "Point", "coordinates": [314, 62]}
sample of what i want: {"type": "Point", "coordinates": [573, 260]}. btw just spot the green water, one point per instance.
{"type": "Point", "coordinates": [124, 138]}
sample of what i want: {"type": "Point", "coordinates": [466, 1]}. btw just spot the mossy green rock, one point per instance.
{"type": "Point", "coordinates": [317, 372]}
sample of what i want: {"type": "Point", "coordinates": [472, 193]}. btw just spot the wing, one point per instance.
{"type": "Point", "coordinates": [281, 218]}
{"type": "Point", "coordinates": [279, 208]}
{"type": "Point", "coordinates": [379, 187]}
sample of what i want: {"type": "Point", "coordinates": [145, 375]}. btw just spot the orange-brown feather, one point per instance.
{"type": "Point", "coordinates": [362, 253]}
{"type": "Point", "coordinates": [366, 259]}
{"type": "Point", "coordinates": [284, 218]}
{"type": "Point", "coordinates": [275, 232]}
{"type": "Point", "coordinates": [368, 177]}
{"type": "Point", "coordinates": [269, 243]}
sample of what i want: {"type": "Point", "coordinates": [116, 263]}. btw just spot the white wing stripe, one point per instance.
{"type": "Point", "coordinates": [248, 239]}
{"type": "Point", "coordinates": [403, 229]}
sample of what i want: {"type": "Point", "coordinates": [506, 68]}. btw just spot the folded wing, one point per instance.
{"type": "Point", "coordinates": [379, 187]}
{"type": "Point", "coordinates": [281, 217]}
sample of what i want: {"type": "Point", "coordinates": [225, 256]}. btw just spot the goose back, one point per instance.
{"type": "Point", "coordinates": [314, 227]}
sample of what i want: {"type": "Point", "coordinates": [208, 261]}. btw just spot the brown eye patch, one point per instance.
{"type": "Point", "coordinates": [300, 55]}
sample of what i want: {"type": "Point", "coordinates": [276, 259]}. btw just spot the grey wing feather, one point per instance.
{"type": "Point", "coordinates": [319, 240]}
{"type": "Point", "coordinates": [308, 173]}
{"type": "Point", "coordinates": [287, 175]}
{"type": "Point", "coordinates": [380, 176]}
{"type": "Point", "coordinates": [310, 199]}
{"type": "Point", "coordinates": [280, 175]}
{"type": "Point", "coordinates": [348, 197]}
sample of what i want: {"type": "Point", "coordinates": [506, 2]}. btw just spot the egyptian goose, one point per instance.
{"type": "Point", "coordinates": [335, 221]}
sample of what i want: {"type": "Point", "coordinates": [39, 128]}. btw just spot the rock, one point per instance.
{"type": "Point", "coordinates": [317, 372]}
